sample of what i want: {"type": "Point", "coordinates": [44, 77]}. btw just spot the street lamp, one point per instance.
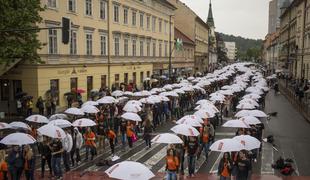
{"type": "Point", "coordinates": [170, 47]}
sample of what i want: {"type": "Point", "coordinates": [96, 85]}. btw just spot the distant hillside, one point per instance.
{"type": "Point", "coordinates": [243, 44]}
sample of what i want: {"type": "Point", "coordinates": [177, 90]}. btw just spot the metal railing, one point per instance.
{"type": "Point", "coordinates": [301, 104]}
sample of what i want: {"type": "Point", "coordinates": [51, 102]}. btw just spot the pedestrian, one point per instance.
{"type": "Point", "coordinates": [15, 162]}
{"type": "Point", "coordinates": [57, 150]}
{"type": "Point", "coordinates": [180, 152]}
{"type": "Point", "coordinates": [29, 105]}
{"type": "Point", "coordinates": [225, 167]}
{"type": "Point", "coordinates": [29, 163]}
{"type": "Point", "coordinates": [243, 166]}
{"type": "Point", "coordinates": [101, 133]}
{"type": "Point", "coordinates": [3, 166]}
{"type": "Point", "coordinates": [172, 165]}
{"type": "Point", "coordinates": [111, 136]}
{"type": "Point", "coordinates": [46, 157]}
{"type": "Point", "coordinates": [19, 107]}
{"type": "Point", "coordinates": [192, 147]}
{"type": "Point", "coordinates": [67, 144]}
{"type": "Point", "coordinates": [204, 141]}
{"type": "Point", "coordinates": [147, 132]}
{"type": "Point", "coordinates": [48, 106]}
{"type": "Point", "coordinates": [40, 105]}
{"type": "Point", "coordinates": [123, 133]}
{"type": "Point", "coordinates": [53, 105]}
{"type": "Point", "coordinates": [129, 133]}
{"type": "Point", "coordinates": [77, 145]}
{"type": "Point", "coordinates": [90, 143]}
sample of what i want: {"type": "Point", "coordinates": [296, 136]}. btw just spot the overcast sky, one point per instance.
{"type": "Point", "coordinates": [246, 18]}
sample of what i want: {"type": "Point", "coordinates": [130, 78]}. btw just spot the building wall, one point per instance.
{"type": "Point", "coordinates": [231, 50]}
{"type": "Point", "coordinates": [273, 17]}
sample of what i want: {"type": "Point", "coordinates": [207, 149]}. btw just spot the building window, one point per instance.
{"type": "Point", "coordinates": [148, 48]}
{"type": "Point", "coordinates": [141, 77]}
{"type": "Point", "coordinates": [153, 24]}
{"type": "Point", "coordinates": [154, 49]}
{"type": "Point", "coordinates": [103, 5]}
{"type": "Point", "coordinates": [89, 86]}
{"type": "Point", "coordinates": [134, 47]}
{"type": "Point", "coordinates": [103, 81]}
{"type": "Point", "coordinates": [125, 47]}
{"type": "Point", "coordinates": [103, 45]}
{"type": "Point", "coordinates": [51, 3]}
{"type": "Point", "coordinates": [166, 49]}
{"type": "Point", "coordinates": [141, 20]}
{"type": "Point", "coordinates": [72, 5]}
{"type": "Point", "coordinates": [125, 16]}
{"type": "Point", "coordinates": [5, 89]}
{"type": "Point", "coordinates": [52, 41]}
{"type": "Point", "coordinates": [116, 13]}
{"type": "Point", "coordinates": [89, 44]}
{"type": "Point", "coordinates": [134, 77]}
{"type": "Point", "coordinates": [134, 18]}
{"type": "Point", "coordinates": [73, 43]}
{"type": "Point", "coordinates": [126, 78]}
{"type": "Point", "coordinates": [88, 7]}
{"type": "Point", "coordinates": [160, 49]}
{"type": "Point", "coordinates": [159, 25]}
{"type": "Point", "coordinates": [148, 74]}
{"type": "Point", "coordinates": [165, 26]}
{"type": "Point", "coordinates": [141, 48]}
{"type": "Point", "coordinates": [54, 87]}
{"type": "Point", "coordinates": [73, 84]}
{"type": "Point", "coordinates": [116, 79]}
{"type": "Point", "coordinates": [116, 46]}
{"type": "Point", "coordinates": [148, 22]}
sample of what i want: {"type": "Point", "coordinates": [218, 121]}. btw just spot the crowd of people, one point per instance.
{"type": "Point", "coordinates": [112, 128]}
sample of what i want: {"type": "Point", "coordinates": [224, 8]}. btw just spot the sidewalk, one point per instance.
{"type": "Point", "coordinates": [302, 107]}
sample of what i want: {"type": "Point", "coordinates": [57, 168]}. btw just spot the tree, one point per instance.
{"type": "Point", "coordinates": [16, 15]}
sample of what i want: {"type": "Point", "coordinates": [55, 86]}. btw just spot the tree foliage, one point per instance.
{"type": "Point", "coordinates": [248, 49]}
{"type": "Point", "coordinates": [19, 14]}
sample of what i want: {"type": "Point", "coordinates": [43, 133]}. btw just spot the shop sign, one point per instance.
{"type": "Point", "coordinates": [73, 71]}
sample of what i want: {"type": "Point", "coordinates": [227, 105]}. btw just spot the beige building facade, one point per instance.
{"type": "Point", "coordinates": [111, 42]}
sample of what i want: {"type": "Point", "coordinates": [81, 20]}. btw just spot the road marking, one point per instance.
{"type": "Point", "coordinates": [214, 168]}
{"type": "Point", "coordinates": [156, 158]}
{"type": "Point", "coordinates": [225, 133]}
{"type": "Point", "coordinates": [267, 159]}
{"type": "Point", "coordinates": [140, 154]}
{"type": "Point", "coordinates": [296, 166]}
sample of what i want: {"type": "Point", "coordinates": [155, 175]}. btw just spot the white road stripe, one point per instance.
{"type": "Point", "coordinates": [225, 133]}
{"type": "Point", "coordinates": [140, 154]}
{"type": "Point", "coordinates": [267, 159]}
{"type": "Point", "coordinates": [216, 164]}
{"type": "Point", "coordinates": [156, 158]}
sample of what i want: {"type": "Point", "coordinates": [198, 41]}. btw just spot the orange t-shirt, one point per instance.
{"type": "Point", "coordinates": [3, 167]}
{"type": "Point", "coordinates": [129, 132]}
{"type": "Point", "coordinates": [172, 163]}
{"type": "Point", "coordinates": [111, 134]}
{"type": "Point", "coordinates": [90, 142]}
{"type": "Point", "coordinates": [225, 171]}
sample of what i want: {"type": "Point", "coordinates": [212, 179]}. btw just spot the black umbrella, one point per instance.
{"type": "Point", "coordinates": [69, 94]}
{"type": "Point", "coordinates": [20, 94]}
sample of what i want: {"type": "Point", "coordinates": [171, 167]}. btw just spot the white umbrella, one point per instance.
{"type": "Point", "coordinates": [128, 93]}
{"type": "Point", "coordinates": [146, 101]}
{"type": "Point", "coordinates": [107, 100]}
{"type": "Point", "coordinates": [145, 93]}
{"type": "Point", "coordinates": [252, 96]}
{"type": "Point", "coordinates": [185, 130]}
{"type": "Point", "coordinates": [37, 119]}
{"type": "Point", "coordinates": [204, 101]}
{"type": "Point", "coordinates": [192, 118]}
{"type": "Point", "coordinates": [92, 103]}
{"type": "Point", "coordinates": [217, 98]}
{"type": "Point", "coordinates": [227, 92]}
{"type": "Point", "coordinates": [179, 91]}
{"type": "Point", "coordinates": [84, 122]}
{"type": "Point", "coordinates": [122, 99]}
{"type": "Point", "coordinates": [155, 98]}
{"type": "Point", "coordinates": [62, 123]}
{"type": "Point", "coordinates": [245, 106]}
{"type": "Point", "coordinates": [58, 116]}
{"type": "Point", "coordinates": [203, 114]}
{"type": "Point", "coordinates": [117, 93]}
{"type": "Point", "coordinates": [4, 125]}
{"type": "Point", "coordinates": [167, 138]}
{"type": "Point", "coordinates": [17, 125]}
{"type": "Point", "coordinates": [190, 122]}
{"type": "Point", "coordinates": [236, 124]}
{"type": "Point", "coordinates": [248, 142]}
{"type": "Point", "coordinates": [18, 139]}
{"type": "Point", "coordinates": [187, 88]}
{"type": "Point", "coordinates": [256, 113]}
{"type": "Point", "coordinates": [75, 111]}
{"type": "Point", "coordinates": [217, 94]}
{"type": "Point", "coordinates": [250, 101]}
{"type": "Point", "coordinates": [129, 170]}
{"type": "Point", "coordinates": [131, 116]}
{"type": "Point", "coordinates": [164, 98]}
{"type": "Point", "coordinates": [132, 108]}
{"type": "Point", "coordinates": [250, 120]}
{"type": "Point", "coordinates": [90, 109]}
{"type": "Point", "coordinates": [190, 78]}
{"type": "Point", "coordinates": [227, 145]}
{"type": "Point", "coordinates": [168, 87]}
{"type": "Point", "coordinates": [134, 102]}
{"type": "Point", "coordinates": [208, 108]}
{"type": "Point", "coordinates": [52, 131]}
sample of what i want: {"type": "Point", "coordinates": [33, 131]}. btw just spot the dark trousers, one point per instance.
{"type": "Point", "coordinates": [111, 141]}
{"type": "Point", "coordinates": [92, 151]}
{"type": "Point", "coordinates": [66, 159]}
{"type": "Point", "coordinates": [129, 142]}
{"type": "Point", "coordinates": [16, 173]}
{"type": "Point", "coordinates": [49, 164]}
{"type": "Point", "coordinates": [77, 154]}
{"type": "Point", "coordinates": [29, 174]}
{"type": "Point", "coordinates": [41, 111]}
{"type": "Point", "coordinates": [147, 138]}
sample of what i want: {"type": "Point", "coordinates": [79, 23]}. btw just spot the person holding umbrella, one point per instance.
{"type": "Point", "coordinates": [40, 105]}
{"type": "Point", "coordinates": [57, 150]}
{"type": "Point", "coordinates": [90, 143]}
{"type": "Point", "coordinates": [172, 165]}
{"type": "Point", "coordinates": [147, 132]}
{"type": "Point", "coordinates": [15, 161]}
{"type": "Point", "coordinates": [225, 167]}
{"type": "Point", "coordinates": [3, 166]}
{"type": "Point", "coordinates": [111, 136]}
{"type": "Point", "coordinates": [29, 163]}
{"type": "Point", "coordinates": [67, 144]}
{"type": "Point", "coordinates": [192, 147]}
{"type": "Point", "coordinates": [77, 145]}
{"type": "Point", "coordinates": [46, 156]}
{"type": "Point", "coordinates": [243, 166]}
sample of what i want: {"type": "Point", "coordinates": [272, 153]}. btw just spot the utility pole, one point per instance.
{"type": "Point", "coordinates": [109, 46]}
{"type": "Point", "coordinates": [302, 70]}
{"type": "Point", "coordinates": [170, 54]}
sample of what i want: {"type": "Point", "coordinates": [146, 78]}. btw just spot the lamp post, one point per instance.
{"type": "Point", "coordinates": [170, 47]}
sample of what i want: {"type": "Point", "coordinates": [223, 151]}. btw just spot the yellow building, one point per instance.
{"type": "Point", "coordinates": [112, 41]}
